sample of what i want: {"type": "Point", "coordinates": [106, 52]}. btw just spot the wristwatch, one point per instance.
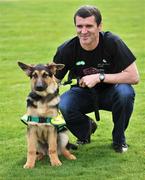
{"type": "Point", "coordinates": [101, 77]}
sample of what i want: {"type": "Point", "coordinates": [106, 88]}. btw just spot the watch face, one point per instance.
{"type": "Point", "coordinates": [101, 77]}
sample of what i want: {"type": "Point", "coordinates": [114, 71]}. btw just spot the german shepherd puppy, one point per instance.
{"type": "Point", "coordinates": [42, 107]}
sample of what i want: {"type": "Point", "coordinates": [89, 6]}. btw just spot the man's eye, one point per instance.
{"type": "Point", "coordinates": [79, 26]}
{"type": "Point", "coordinates": [89, 26]}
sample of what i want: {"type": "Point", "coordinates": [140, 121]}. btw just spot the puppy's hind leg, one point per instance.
{"type": "Point", "coordinates": [31, 152]}
{"type": "Point", "coordinates": [40, 156]}
{"type": "Point", "coordinates": [62, 143]}
{"type": "Point", "coordinates": [67, 154]}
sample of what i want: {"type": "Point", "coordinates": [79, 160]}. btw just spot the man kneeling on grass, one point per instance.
{"type": "Point", "coordinates": [105, 69]}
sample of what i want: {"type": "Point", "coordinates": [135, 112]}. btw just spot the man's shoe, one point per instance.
{"type": "Point", "coordinates": [93, 129]}
{"type": "Point", "coordinates": [120, 148]}
{"type": "Point", "coordinates": [93, 126]}
{"type": "Point", "coordinates": [82, 142]}
{"type": "Point", "coordinates": [71, 146]}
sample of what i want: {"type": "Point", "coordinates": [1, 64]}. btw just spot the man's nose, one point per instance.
{"type": "Point", "coordinates": [84, 30]}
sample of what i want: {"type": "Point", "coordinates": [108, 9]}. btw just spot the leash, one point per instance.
{"type": "Point", "coordinates": [94, 95]}
{"type": "Point", "coordinates": [95, 103]}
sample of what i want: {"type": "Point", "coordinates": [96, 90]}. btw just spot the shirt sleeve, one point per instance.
{"type": "Point", "coordinates": [59, 59]}
{"type": "Point", "coordinates": [122, 55]}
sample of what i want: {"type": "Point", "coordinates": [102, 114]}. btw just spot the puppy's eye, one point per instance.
{"type": "Point", "coordinates": [45, 75]}
{"type": "Point", "coordinates": [35, 75]}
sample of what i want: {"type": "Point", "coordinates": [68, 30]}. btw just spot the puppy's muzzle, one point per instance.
{"type": "Point", "coordinates": [40, 86]}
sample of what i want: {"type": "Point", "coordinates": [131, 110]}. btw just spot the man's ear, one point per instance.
{"type": "Point", "coordinates": [100, 27]}
{"type": "Point", "coordinates": [27, 68]}
{"type": "Point", "coordinates": [55, 67]}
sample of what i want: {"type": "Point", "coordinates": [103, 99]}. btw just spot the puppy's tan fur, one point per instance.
{"type": "Point", "coordinates": [42, 138]}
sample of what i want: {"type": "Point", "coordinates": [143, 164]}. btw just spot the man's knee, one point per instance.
{"type": "Point", "coordinates": [64, 106]}
{"type": "Point", "coordinates": [124, 93]}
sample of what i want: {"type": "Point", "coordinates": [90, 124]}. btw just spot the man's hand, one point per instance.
{"type": "Point", "coordinates": [129, 75]}
{"type": "Point", "coordinates": [89, 80]}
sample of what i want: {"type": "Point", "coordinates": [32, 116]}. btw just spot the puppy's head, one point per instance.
{"type": "Point", "coordinates": [42, 76]}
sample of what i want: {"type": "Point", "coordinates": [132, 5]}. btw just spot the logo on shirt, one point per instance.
{"type": "Point", "coordinates": [104, 61]}
{"type": "Point", "coordinates": [80, 63]}
{"type": "Point", "coordinates": [103, 64]}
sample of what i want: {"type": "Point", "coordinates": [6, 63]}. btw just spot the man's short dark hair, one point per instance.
{"type": "Point", "coordinates": [87, 11]}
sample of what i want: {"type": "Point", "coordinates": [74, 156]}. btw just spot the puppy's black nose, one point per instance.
{"type": "Point", "coordinates": [39, 88]}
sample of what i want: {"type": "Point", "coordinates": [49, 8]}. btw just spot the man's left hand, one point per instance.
{"type": "Point", "coordinates": [89, 80]}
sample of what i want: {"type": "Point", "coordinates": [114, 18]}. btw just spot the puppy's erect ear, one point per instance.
{"type": "Point", "coordinates": [27, 68]}
{"type": "Point", "coordinates": [55, 67]}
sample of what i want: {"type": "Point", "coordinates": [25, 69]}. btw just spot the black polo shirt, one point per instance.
{"type": "Point", "coordinates": [112, 55]}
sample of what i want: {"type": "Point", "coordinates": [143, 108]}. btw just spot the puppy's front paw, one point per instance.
{"type": "Point", "coordinates": [56, 162]}
{"type": "Point", "coordinates": [28, 166]}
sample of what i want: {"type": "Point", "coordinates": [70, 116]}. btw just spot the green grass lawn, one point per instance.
{"type": "Point", "coordinates": [30, 31]}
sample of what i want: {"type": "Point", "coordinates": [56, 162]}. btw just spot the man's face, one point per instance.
{"type": "Point", "coordinates": [87, 30]}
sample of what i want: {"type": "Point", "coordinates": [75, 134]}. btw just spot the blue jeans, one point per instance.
{"type": "Point", "coordinates": [77, 102]}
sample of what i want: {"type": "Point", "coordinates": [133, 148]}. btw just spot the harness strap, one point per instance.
{"type": "Point", "coordinates": [57, 122]}
{"type": "Point", "coordinates": [25, 119]}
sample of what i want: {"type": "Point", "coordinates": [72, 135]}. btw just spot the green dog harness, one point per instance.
{"type": "Point", "coordinates": [58, 121]}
